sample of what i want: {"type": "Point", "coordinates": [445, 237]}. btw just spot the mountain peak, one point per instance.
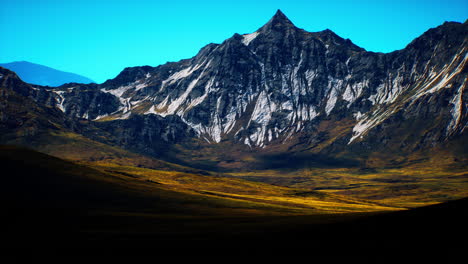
{"type": "Point", "coordinates": [280, 15]}
{"type": "Point", "coordinates": [279, 20]}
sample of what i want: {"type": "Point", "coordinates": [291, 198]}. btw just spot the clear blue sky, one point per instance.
{"type": "Point", "coordinates": [98, 38]}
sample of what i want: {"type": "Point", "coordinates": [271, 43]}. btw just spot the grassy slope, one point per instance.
{"type": "Point", "coordinates": [413, 185]}
{"type": "Point", "coordinates": [77, 148]}
{"type": "Point", "coordinates": [307, 202]}
{"type": "Point", "coordinates": [417, 180]}
{"type": "Point", "coordinates": [206, 193]}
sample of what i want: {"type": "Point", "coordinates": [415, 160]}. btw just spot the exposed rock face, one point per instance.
{"type": "Point", "coordinates": [280, 82]}
{"type": "Point", "coordinates": [78, 100]}
{"type": "Point", "coordinates": [148, 134]}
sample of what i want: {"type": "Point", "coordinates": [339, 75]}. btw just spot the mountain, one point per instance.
{"type": "Point", "coordinates": [283, 86]}
{"type": "Point", "coordinates": [43, 75]}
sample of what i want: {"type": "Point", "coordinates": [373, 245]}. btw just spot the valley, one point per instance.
{"type": "Point", "coordinates": [61, 207]}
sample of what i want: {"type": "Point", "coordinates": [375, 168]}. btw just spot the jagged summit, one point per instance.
{"type": "Point", "coordinates": [280, 17]}
{"type": "Point", "coordinates": [277, 27]}
{"type": "Point", "coordinates": [278, 21]}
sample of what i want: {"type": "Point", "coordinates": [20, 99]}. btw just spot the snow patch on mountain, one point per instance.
{"type": "Point", "coordinates": [118, 92]}
{"type": "Point", "coordinates": [60, 100]}
{"type": "Point", "coordinates": [369, 121]}
{"type": "Point", "coordinates": [442, 79]}
{"type": "Point", "coordinates": [353, 91]}
{"type": "Point", "coordinates": [458, 108]}
{"type": "Point", "coordinates": [184, 73]}
{"type": "Point", "coordinates": [125, 116]}
{"type": "Point", "coordinates": [247, 38]}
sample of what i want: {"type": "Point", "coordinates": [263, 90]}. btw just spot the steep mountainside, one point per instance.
{"type": "Point", "coordinates": [43, 75]}
{"type": "Point", "coordinates": [282, 84]}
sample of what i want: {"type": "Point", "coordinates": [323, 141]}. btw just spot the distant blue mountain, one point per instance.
{"type": "Point", "coordinates": [42, 75]}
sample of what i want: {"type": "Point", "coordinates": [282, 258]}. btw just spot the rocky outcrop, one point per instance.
{"type": "Point", "coordinates": [20, 115]}
{"type": "Point", "coordinates": [148, 134]}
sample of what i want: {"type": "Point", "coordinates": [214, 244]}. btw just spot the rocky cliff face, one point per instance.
{"type": "Point", "coordinates": [281, 83]}
{"type": "Point", "coordinates": [148, 134]}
